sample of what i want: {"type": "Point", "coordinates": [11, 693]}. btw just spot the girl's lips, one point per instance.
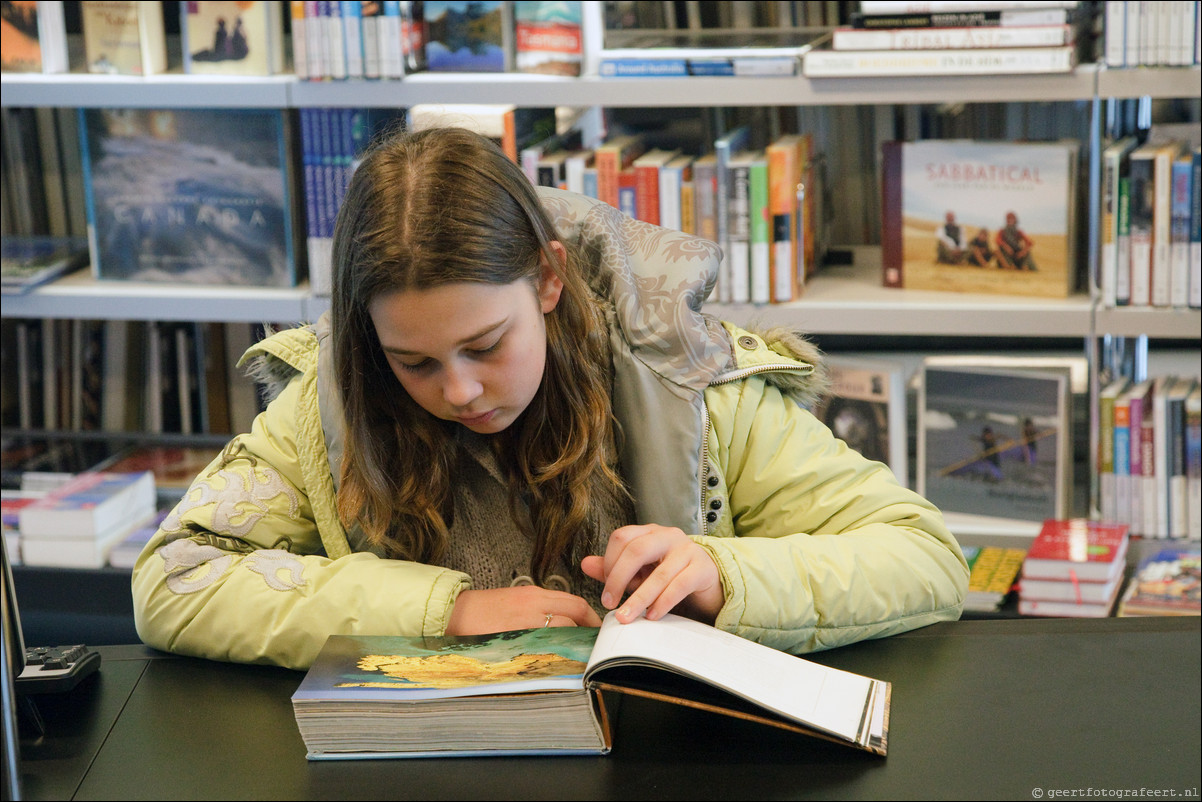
{"type": "Point", "coordinates": [476, 420]}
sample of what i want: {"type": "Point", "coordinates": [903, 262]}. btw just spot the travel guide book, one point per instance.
{"type": "Point", "coordinates": [549, 691]}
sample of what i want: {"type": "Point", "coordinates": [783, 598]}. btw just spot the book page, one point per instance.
{"type": "Point", "coordinates": [825, 698]}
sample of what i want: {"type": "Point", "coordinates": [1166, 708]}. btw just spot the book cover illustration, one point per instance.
{"type": "Point", "coordinates": [33, 37]}
{"type": "Point", "coordinates": [352, 667]}
{"type": "Point", "coordinates": [190, 195]}
{"type": "Point", "coordinates": [233, 38]}
{"type": "Point", "coordinates": [994, 442]}
{"type": "Point", "coordinates": [123, 38]}
{"type": "Point", "coordinates": [866, 409]}
{"type": "Point", "coordinates": [548, 37]}
{"type": "Point", "coordinates": [983, 217]}
{"type": "Point", "coordinates": [466, 36]}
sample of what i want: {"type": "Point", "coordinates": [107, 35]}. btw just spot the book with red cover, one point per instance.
{"type": "Point", "coordinates": [1077, 549]}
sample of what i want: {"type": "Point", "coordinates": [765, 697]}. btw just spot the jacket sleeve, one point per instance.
{"type": "Point", "coordinates": [238, 572]}
{"type": "Point", "coordinates": [824, 547]}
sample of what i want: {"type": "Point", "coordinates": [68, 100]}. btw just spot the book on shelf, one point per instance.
{"type": "Point", "coordinates": [676, 193]}
{"type": "Point", "coordinates": [994, 441]}
{"type": "Point", "coordinates": [980, 216]}
{"type": "Point", "coordinates": [866, 408]}
{"type": "Point", "coordinates": [647, 169]}
{"type": "Point", "coordinates": [611, 157]}
{"type": "Point", "coordinates": [233, 38]}
{"type": "Point", "coordinates": [549, 37]}
{"type": "Point", "coordinates": [739, 167]}
{"type": "Point", "coordinates": [1077, 549]}
{"type": "Point", "coordinates": [122, 37]}
{"type": "Point", "coordinates": [1109, 417]}
{"type": "Point", "coordinates": [468, 36]}
{"type": "Point", "coordinates": [979, 16]}
{"type": "Point", "coordinates": [31, 261]}
{"type": "Point", "coordinates": [1150, 212]}
{"type": "Point", "coordinates": [993, 571]}
{"type": "Point", "coordinates": [734, 141]}
{"type": "Point", "coordinates": [957, 6]}
{"type": "Point", "coordinates": [173, 467]}
{"type": "Point", "coordinates": [787, 157]}
{"type": "Point", "coordinates": [1150, 34]}
{"type": "Point", "coordinates": [1179, 232]}
{"type": "Point", "coordinates": [201, 196]}
{"type": "Point", "coordinates": [33, 37]}
{"type": "Point", "coordinates": [1194, 283]}
{"type": "Point", "coordinates": [550, 691]}
{"type": "Point", "coordinates": [1170, 493]}
{"type": "Point", "coordinates": [1193, 462]}
{"type": "Point", "coordinates": [982, 61]}
{"type": "Point", "coordinates": [1115, 257]}
{"type": "Point", "coordinates": [972, 37]}
{"type": "Point", "coordinates": [77, 524]}
{"type": "Point", "coordinates": [689, 52]}
{"type": "Point", "coordinates": [1165, 582]}
{"type": "Point", "coordinates": [759, 231]}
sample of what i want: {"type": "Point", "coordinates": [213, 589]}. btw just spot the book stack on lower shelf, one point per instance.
{"type": "Point", "coordinates": [78, 524]}
{"type": "Point", "coordinates": [955, 38]}
{"type": "Point", "coordinates": [1074, 569]}
{"type": "Point", "coordinates": [993, 571]}
{"type": "Point", "coordinates": [1166, 582]}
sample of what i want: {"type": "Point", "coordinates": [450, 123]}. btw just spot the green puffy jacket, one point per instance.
{"type": "Point", "coordinates": [816, 546]}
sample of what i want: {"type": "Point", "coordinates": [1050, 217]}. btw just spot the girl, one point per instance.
{"type": "Point", "coordinates": [515, 415]}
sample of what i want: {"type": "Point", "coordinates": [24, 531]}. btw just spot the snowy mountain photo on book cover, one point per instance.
{"type": "Point", "coordinates": [190, 195]}
{"type": "Point", "coordinates": [978, 216]}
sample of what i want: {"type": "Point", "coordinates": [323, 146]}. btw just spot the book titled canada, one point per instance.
{"type": "Point", "coordinates": [200, 196]}
{"type": "Point", "coordinates": [980, 216]}
{"type": "Point", "coordinates": [548, 691]}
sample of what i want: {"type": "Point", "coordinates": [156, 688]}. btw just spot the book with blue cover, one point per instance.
{"type": "Point", "coordinates": [198, 196]}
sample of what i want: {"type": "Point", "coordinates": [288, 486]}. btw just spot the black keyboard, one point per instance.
{"type": "Point", "coordinates": [54, 669]}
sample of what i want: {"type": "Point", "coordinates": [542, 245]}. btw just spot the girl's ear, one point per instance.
{"type": "Point", "coordinates": [550, 285]}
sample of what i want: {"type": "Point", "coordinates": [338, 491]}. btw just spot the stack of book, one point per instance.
{"type": "Point", "coordinates": [993, 571]}
{"type": "Point", "coordinates": [954, 38]}
{"type": "Point", "coordinates": [1168, 582]}
{"type": "Point", "coordinates": [1151, 34]}
{"type": "Point", "coordinates": [78, 524]}
{"type": "Point", "coordinates": [1074, 568]}
{"type": "Point", "coordinates": [684, 53]}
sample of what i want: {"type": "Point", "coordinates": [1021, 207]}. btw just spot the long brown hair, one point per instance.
{"type": "Point", "coordinates": [429, 208]}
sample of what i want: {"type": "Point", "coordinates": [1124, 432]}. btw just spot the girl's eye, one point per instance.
{"type": "Point", "coordinates": [490, 349]}
{"type": "Point", "coordinates": [416, 367]}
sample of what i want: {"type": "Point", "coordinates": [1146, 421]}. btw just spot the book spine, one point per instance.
{"type": "Point", "coordinates": [784, 175]}
{"type": "Point", "coordinates": [760, 238]}
{"type": "Point", "coordinates": [352, 37]}
{"type": "Point", "coordinates": [370, 20]}
{"type": "Point", "coordinates": [1182, 170]}
{"type": "Point", "coordinates": [392, 63]}
{"type": "Point", "coordinates": [948, 38]}
{"type": "Point", "coordinates": [959, 6]}
{"type": "Point", "coordinates": [1194, 292]}
{"type": "Point", "coordinates": [1150, 512]}
{"type": "Point", "coordinates": [994, 61]}
{"type": "Point", "coordinates": [643, 68]}
{"type": "Point", "coordinates": [1162, 227]}
{"type": "Point", "coordinates": [962, 19]}
{"type": "Point", "coordinates": [892, 260]}
{"type": "Point", "coordinates": [738, 217]}
{"type": "Point", "coordinates": [1175, 445]}
{"type": "Point", "coordinates": [1193, 462]}
{"type": "Point", "coordinates": [670, 179]}
{"type": "Point", "coordinates": [315, 41]}
{"type": "Point", "coordinates": [628, 192]}
{"type": "Point", "coordinates": [1120, 508]}
{"type": "Point", "coordinates": [704, 199]}
{"type": "Point", "coordinates": [725, 147]}
{"type": "Point", "coordinates": [1106, 476]}
{"type": "Point", "coordinates": [300, 42]}
{"type": "Point", "coordinates": [1122, 269]}
{"type": "Point", "coordinates": [646, 178]}
{"type": "Point", "coordinates": [1140, 213]}
{"type": "Point", "coordinates": [335, 38]}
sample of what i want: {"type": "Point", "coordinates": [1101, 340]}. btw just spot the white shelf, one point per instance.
{"type": "Point", "coordinates": [852, 300]}
{"type": "Point", "coordinates": [178, 90]}
{"type": "Point", "coordinates": [78, 295]}
{"type": "Point", "coordinates": [1150, 81]}
{"type": "Point", "coordinates": [1185, 324]}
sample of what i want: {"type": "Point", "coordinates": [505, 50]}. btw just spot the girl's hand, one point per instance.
{"type": "Point", "coordinates": [482, 612]}
{"type": "Point", "coordinates": [660, 567]}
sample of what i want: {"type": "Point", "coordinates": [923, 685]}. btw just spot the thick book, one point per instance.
{"type": "Point", "coordinates": [28, 262]}
{"type": "Point", "coordinates": [33, 37]}
{"type": "Point", "coordinates": [1009, 208]}
{"type": "Point", "coordinates": [952, 38]}
{"type": "Point", "coordinates": [698, 52]}
{"type": "Point", "coordinates": [463, 36]}
{"type": "Point", "coordinates": [1167, 582]}
{"type": "Point", "coordinates": [980, 61]}
{"type": "Point", "coordinates": [866, 408]}
{"type": "Point", "coordinates": [1116, 166]}
{"type": "Point", "coordinates": [123, 37]}
{"type": "Point", "coordinates": [1108, 419]}
{"type": "Point", "coordinates": [1077, 549]}
{"type": "Point", "coordinates": [91, 504]}
{"type": "Point", "coordinates": [978, 17]}
{"type": "Point", "coordinates": [550, 691]}
{"type": "Point", "coordinates": [201, 196]}
{"type": "Point", "coordinates": [233, 38]}
{"type": "Point", "coordinates": [787, 156]}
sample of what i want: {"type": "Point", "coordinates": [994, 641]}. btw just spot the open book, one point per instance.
{"type": "Point", "coordinates": [548, 691]}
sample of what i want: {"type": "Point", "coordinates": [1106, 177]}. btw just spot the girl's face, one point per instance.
{"type": "Point", "coordinates": [469, 352]}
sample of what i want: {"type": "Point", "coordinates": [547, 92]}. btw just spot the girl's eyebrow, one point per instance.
{"type": "Point", "coordinates": [470, 338]}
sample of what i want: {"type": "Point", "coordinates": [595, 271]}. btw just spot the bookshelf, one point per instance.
{"type": "Point", "coordinates": [839, 299]}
